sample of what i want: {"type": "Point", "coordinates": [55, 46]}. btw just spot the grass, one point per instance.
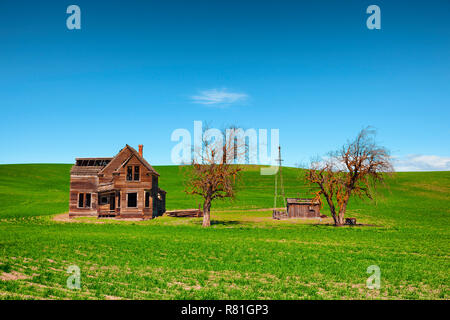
{"type": "Point", "coordinates": [244, 255]}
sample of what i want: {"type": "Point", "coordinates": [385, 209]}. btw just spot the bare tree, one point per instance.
{"type": "Point", "coordinates": [213, 173]}
{"type": "Point", "coordinates": [354, 170]}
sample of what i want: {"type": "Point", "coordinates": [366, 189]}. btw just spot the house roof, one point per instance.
{"type": "Point", "coordinates": [133, 153]}
{"type": "Point", "coordinates": [144, 162]}
{"type": "Point", "coordinates": [94, 170]}
{"type": "Point", "coordinates": [103, 187]}
{"type": "Point", "coordinates": [96, 158]}
{"type": "Point", "coordinates": [85, 170]}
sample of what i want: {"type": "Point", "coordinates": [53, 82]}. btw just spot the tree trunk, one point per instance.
{"type": "Point", "coordinates": [342, 210]}
{"type": "Point", "coordinates": [206, 212]}
{"type": "Point", "coordinates": [335, 218]}
{"type": "Point", "coordinates": [332, 210]}
{"type": "Point", "coordinates": [340, 220]}
{"type": "Point", "coordinates": [341, 216]}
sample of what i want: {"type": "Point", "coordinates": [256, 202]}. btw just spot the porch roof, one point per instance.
{"type": "Point", "coordinates": [104, 187]}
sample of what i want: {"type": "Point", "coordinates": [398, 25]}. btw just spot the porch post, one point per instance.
{"type": "Point", "coordinates": [98, 204]}
{"type": "Point", "coordinates": [117, 202]}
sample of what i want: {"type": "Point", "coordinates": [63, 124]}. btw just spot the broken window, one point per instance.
{"type": "Point", "coordinates": [104, 200]}
{"type": "Point", "coordinates": [147, 199]}
{"type": "Point", "coordinates": [132, 200]}
{"type": "Point", "coordinates": [136, 173]}
{"type": "Point", "coordinates": [88, 200]}
{"type": "Point", "coordinates": [129, 173]}
{"type": "Point", "coordinates": [80, 200]}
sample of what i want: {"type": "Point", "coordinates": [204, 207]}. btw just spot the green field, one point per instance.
{"type": "Point", "coordinates": [244, 255]}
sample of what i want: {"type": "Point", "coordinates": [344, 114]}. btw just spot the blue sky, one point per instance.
{"type": "Point", "coordinates": [138, 70]}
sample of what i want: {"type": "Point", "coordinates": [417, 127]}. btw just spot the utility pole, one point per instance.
{"type": "Point", "coordinates": [279, 160]}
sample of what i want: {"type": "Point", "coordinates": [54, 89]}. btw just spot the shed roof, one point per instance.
{"type": "Point", "coordinates": [306, 201]}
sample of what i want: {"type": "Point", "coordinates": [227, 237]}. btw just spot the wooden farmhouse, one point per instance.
{"type": "Point", "coordinates": [125, 186]}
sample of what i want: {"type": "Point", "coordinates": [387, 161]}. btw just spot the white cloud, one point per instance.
{"type": "Point", "coordinates": [422, 163]}
{"type": "Point", "coordinates": [220, 97]}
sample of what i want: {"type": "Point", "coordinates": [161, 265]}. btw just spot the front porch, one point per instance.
{"type": "Point", "coordinates": [108, 203]}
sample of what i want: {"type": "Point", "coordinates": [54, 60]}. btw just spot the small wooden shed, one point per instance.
{"type": "Point", "coordinates": [302, 208]}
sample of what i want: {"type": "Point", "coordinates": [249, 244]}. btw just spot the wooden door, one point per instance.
{"type": "Point", "coordinates": [112, 202]}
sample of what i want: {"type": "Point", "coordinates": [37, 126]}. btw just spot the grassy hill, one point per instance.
{"type": "Point", "coordinates": [41, 189]}
{"type": "Point", "coordinates": [244, 255]}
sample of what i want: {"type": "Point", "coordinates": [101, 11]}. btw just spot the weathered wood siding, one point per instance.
{"type": "Point", "coordinates": [139, 187]}
{"type": "Point", "coordinates": [302, 210]}
{"type": "Point", "coordinates": [111, 181]}
{"type": "Point", "coordinates": [83, 184]}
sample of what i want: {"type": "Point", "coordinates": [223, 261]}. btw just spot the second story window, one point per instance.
{"type": "Point", "coordinates": [133, 175]}
{"type": "Point", "coordinates": [136, 173]}
{"type": "Point", "coordinates": [129, 173]}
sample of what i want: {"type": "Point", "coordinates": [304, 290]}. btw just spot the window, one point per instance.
{"type": "Point", "coordinates": [104, 200]}
{"type": "Point", "coordinates": [118, 200]}
{"type": "Point", "coordinates": [132, 200]}
{"type": "Point", "coordinates": [147, 199]}
{"type": "Point", "coordinates": [88, 200]}
{"type": "Point", "coordinates": [136, 173]}
{"type": "Point", "coordinates": [80, 200]}
{"type": "Point", "coordinates": [129, 173]}
{"type": "Point", "coordinates": [133, 176]}
{"type": "Point", "coordinates": [84, 200]}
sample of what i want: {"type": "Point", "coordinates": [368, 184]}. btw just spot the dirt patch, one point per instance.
{"type": "Point", "coordinates": [349, 225]}
{"type": "Point", "coordinates": [185, 286]}
{"type": "Point", "coordinates": [64, 217]}
{"type": "Point", "coordinates": [112, 298]}
{"type": "Point", "coordinates": [14, 275]}
{"type": "Point", "coordinates": [239, 210]}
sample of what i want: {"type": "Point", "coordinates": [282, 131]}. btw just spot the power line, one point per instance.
{"type": "Point", "coordinates": [279, 173]}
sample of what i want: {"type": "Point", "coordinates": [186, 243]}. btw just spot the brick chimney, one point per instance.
{"type": "Point", "coordinates": [141, 150]}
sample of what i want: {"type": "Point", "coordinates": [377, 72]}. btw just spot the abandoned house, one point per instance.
{"type": "Point", "coordinates": [125, 186]}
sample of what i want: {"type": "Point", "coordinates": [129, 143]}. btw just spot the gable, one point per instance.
{"type": "Point", "coordinates": [133, 160]}
{"type": "Point", "coordinates": [122, 158]}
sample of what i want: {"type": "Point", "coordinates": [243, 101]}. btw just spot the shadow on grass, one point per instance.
{"type": "Point", "coordinates": [345, 225]}
{"type": "Point", "coordinates": [221, 222]}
